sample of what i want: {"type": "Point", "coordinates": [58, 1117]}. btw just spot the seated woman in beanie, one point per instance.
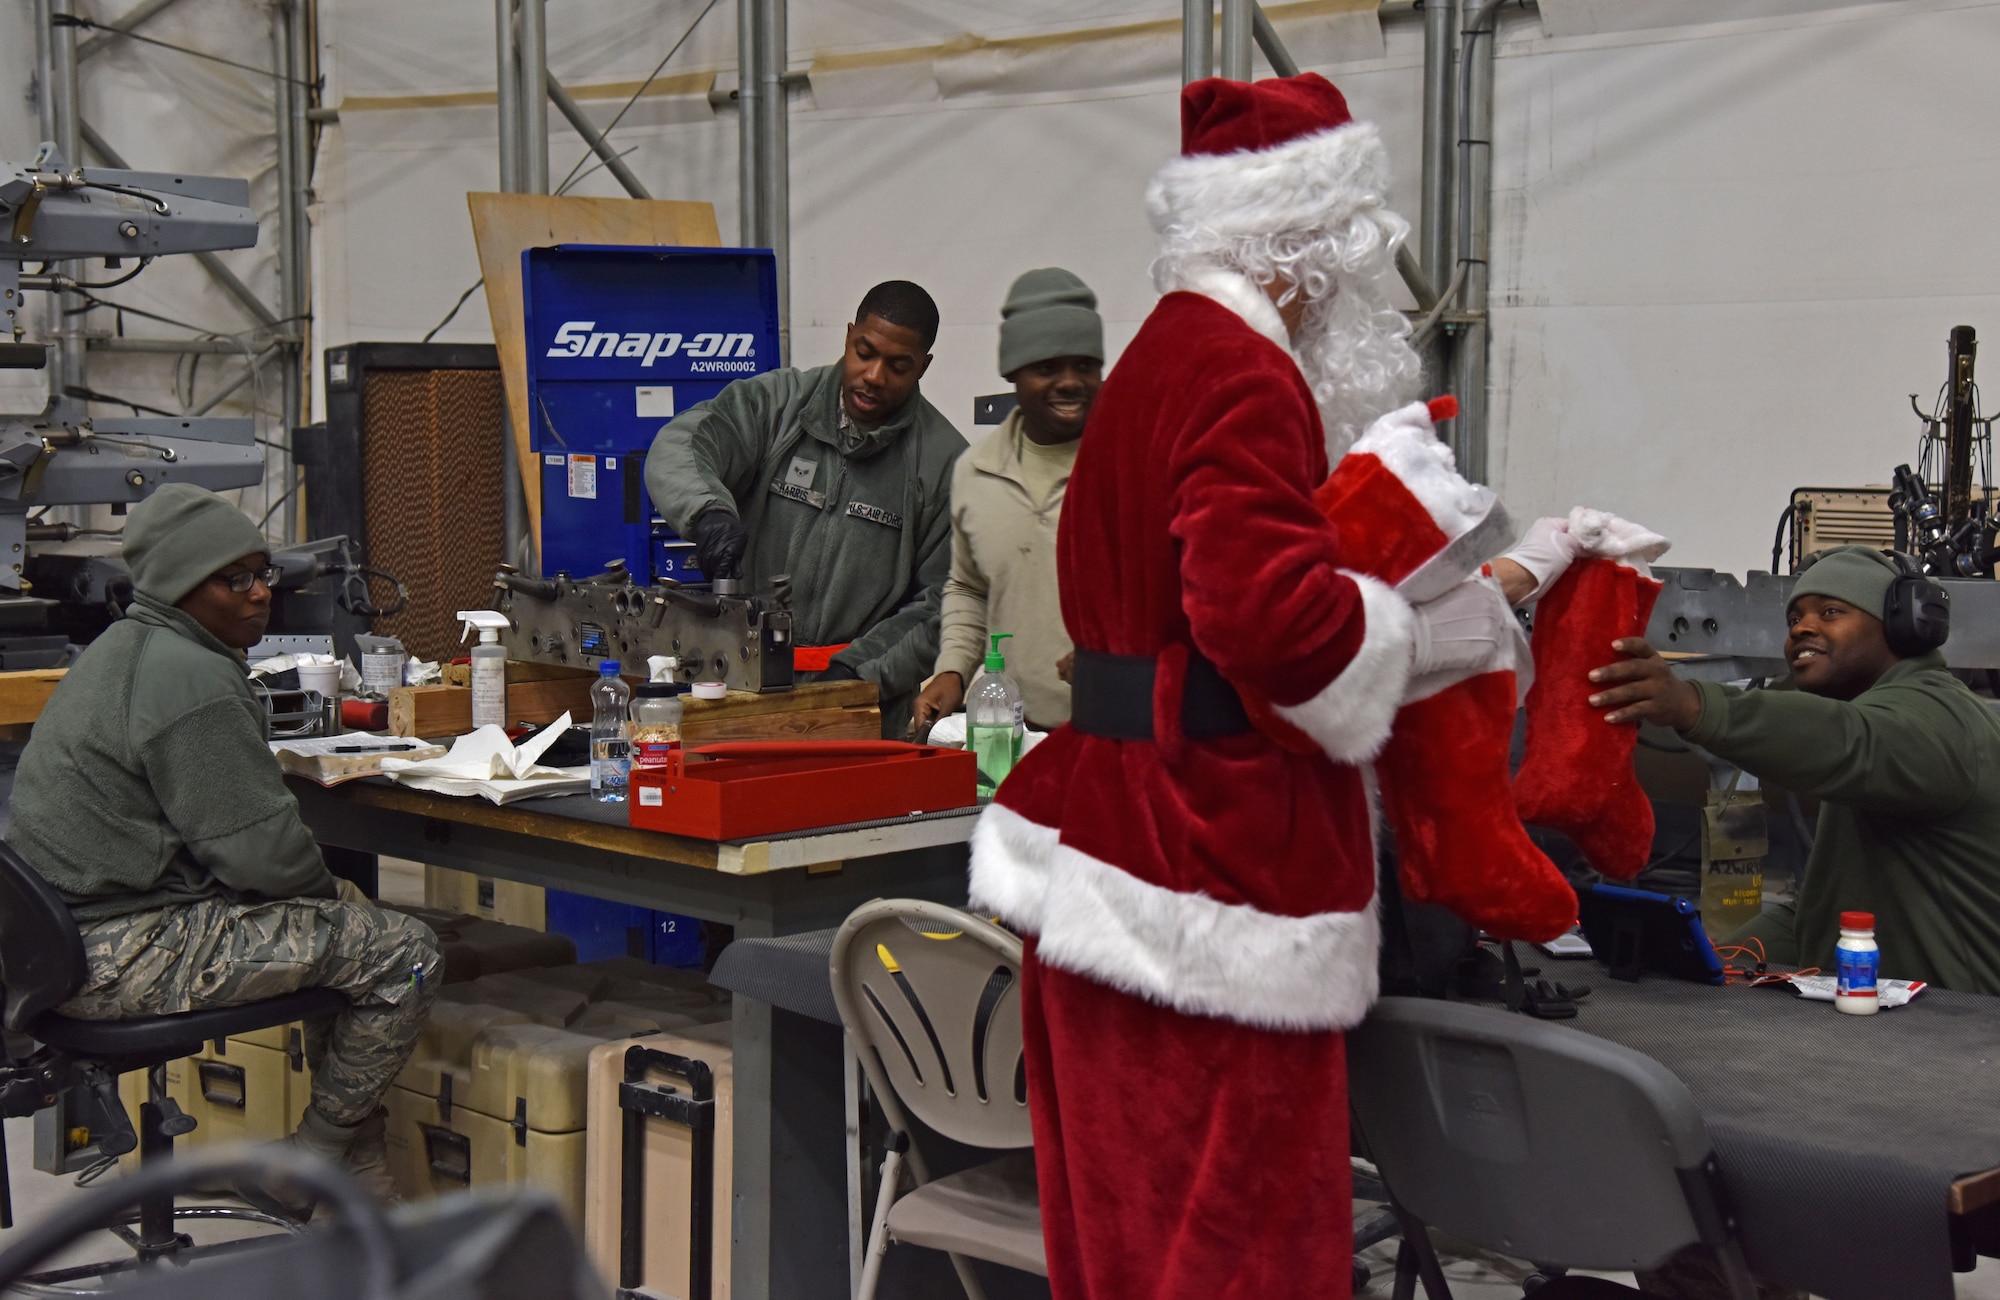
{"type": "Point", "coordinates": [1904, 760]}
{"type": "Point", "coordinates": [149, 798]}
{"type": "Point", "coordinates": [1006, 499]}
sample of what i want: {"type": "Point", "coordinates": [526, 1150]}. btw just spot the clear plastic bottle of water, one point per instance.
{"type": "Point", "coordinates": [610, 742]}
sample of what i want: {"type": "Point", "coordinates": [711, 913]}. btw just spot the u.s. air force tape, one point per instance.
{"type": "Point", "coordinates": [874, 514]}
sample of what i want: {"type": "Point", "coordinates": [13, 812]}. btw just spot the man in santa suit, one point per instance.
{"type": "Point", "coordinates": [1199, 898]}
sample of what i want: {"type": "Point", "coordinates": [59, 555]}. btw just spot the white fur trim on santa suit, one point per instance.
{"type": "Point", "coordinates": [1010, 867]}
{"type": "Point", "coordinates": [1205, 958]}
{"type": "Point", "coordinates": [1469, 514]}
{"type": "Point", "coordinates": [1243, 296]}
{"type": "Point", "coordinates": [1350, 717]}
{"type": "Point", "coordinates": [1314, 182]}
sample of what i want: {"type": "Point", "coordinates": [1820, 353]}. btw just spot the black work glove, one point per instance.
{"type": "Point", "coordinates": [837, 671]}
{"type": "Point", "coordinates": [719, 543]}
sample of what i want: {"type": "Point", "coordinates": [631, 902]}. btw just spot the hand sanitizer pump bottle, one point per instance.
{"type": "Point", "coordinates": [994, 720]}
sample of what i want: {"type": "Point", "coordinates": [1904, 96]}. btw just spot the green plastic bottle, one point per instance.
{"type": "Point", "coordinates": [995, 721]}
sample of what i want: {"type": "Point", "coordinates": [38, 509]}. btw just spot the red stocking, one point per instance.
{"type": "Point", "coordinates": [1404, 515]}
{"type": "Point", "coordinates": [1578, 776]}
{"type": "Point", "coordinates": [1461, 845]}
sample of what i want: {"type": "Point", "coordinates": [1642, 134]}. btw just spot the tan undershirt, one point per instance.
{"type": "Point", "coordinates": [1043, 467]}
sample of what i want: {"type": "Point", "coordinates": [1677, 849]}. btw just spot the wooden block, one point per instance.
{"type": "Point", "coordinates": [806, 695]}
{"type": "Point", "coordinates": [447, 710]}
{"type": "Point", "coordinates": [505, 225]}
{"type": "Point", "coordinates": [860, 723]}
{"type": "Point", "coordinates": [810, 711]}
{"type": "Point", "coordinates": [23, 693]}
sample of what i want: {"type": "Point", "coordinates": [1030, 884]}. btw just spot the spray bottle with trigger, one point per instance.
{"type": "Point", "coordinates": [489, 666]}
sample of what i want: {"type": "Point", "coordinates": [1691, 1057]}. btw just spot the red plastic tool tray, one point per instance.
{"type": "Point", "coordinates": [751, 788]}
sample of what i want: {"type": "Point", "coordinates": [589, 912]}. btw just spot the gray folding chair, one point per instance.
{"type": "Point", "coordinates": [1535, 1141]}
{"type": "Point", "coordinates": [931, 998]}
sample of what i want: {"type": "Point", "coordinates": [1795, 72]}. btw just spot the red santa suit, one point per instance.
{"type": "Point", "coordinates": [1201, 910]}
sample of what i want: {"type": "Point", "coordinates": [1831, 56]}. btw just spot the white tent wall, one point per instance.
{"type": "Point", "coordinates": [1724, 248]}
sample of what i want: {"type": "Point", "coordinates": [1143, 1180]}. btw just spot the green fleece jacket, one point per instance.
{"type": "Point", "coordinates": [1908, 774]}
{"type": "Point", "coordinates": [861, 520]}
{"type": "Point", "coordinates": [148, 781]}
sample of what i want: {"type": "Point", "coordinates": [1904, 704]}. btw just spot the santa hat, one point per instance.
{"type": "Point", "coordinates": [1258, 158]}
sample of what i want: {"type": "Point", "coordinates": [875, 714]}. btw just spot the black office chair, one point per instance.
{"type": "Point", "coordinates": [41, 967]}
{"type": "Point", "coordinates": [1536, 1141]}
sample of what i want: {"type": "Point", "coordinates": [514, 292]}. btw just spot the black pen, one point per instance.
{"type": "Point", "coordinates": [368, 749]}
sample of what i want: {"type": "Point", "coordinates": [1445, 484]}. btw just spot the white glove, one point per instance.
{"type": "Point", "coordinates": [1545, 552]}
{"type": "Point", "coordinates": [1599, 532]}
{"type": "Point", "coordinates": [1469, 627]}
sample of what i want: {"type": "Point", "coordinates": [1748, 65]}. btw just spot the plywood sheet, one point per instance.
{"type": "Point", "coordinates": [504, 225]}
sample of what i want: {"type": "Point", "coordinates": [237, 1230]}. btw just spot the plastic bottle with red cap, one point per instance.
{"type": "Point", "coordinates": [1857, 960]}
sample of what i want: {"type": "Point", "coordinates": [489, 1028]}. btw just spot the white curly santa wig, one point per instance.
{"type": "Point", "coordinates": [1276, 181]}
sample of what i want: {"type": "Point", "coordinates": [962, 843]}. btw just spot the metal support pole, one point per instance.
{"type": "Point", "coordinates": [1197, 40]}
{"type": "Point", "coordinates": [1440, 125]}
{"type": "Point", "coordinates": [60, 117]}
{"type": "Point", "coordinates": [1440, 169]}
{"type": "Point", "coordinates": [1475, 207]}
{"type": "Point", "coordinates": [1274, 49]}
{"type": "Point", "coordinates": [290, 306]}
{"type": "Point", "coordinates": [507, 81]}
{"type": "Point", "coordinates": [1236, 35]}
{"type": "Point", "coordinates": [749, 217]}
{"type": "Point", "coordinates": [534, 96]}
{"type": "Point", "coordinates": [574, 113]}
{"type": "Point", "coordinates": [774, 157]}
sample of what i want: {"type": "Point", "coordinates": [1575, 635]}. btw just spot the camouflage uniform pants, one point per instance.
{"type": "Point", "coordinates": [217, 953]}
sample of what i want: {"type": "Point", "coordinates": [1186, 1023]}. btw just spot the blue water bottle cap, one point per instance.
{"type": "Point", "coordinates": [609, 668]}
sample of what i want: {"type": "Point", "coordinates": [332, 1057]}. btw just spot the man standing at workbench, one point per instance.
{"type": "Point", "coordinates": [840, 477]}
{"type": "Point", "coordinates": [1006, 499]}
{"type": "Point", "coordinates": [1904, 759]}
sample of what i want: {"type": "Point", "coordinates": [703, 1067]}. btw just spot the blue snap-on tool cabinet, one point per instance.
{"type": "Point", "coordinates": [619, 340]}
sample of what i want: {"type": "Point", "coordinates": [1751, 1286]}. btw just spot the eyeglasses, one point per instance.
{"type": "Point", "coordinates": [242, 582]}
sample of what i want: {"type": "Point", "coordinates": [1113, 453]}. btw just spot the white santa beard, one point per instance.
{"type": "Point", "coordinates": [1354, 351]}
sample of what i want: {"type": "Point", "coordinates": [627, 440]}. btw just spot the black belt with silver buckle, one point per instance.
{"type": "Point", "coordinates": [1112, 696]}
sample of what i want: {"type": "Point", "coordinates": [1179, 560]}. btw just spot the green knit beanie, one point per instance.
{"type": "Point", "coordinates": [1859, 575]}
{"type": "Point", "coordinates": [180, 535]}
{"type": "Point", "coordinates": [1049, 313]}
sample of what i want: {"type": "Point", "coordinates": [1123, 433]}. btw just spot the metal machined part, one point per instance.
{"type": "Point", "coordinates": [741, 640]}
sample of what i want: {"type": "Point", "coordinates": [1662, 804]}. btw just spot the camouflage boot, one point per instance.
{"type": "Point", "coordinates": [358, 1150]}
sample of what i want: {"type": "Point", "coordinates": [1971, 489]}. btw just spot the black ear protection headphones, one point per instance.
{"type": "Point", "coordinates": [1916, 614]}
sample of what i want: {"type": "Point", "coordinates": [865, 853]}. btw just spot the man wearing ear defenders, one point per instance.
{"type": "Point", "coordinates": [1904, 758]}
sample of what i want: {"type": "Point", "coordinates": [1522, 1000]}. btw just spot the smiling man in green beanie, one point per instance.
{"type": "Point", "coordinates": [1904, 759]}
{"type": "Point", "coordinates": [1006, 500]}
{"type": "Point", "coordinates": [149, 798]}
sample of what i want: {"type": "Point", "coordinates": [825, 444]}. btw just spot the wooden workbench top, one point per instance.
{"type": "Point", "coordinates": [575, 820]}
